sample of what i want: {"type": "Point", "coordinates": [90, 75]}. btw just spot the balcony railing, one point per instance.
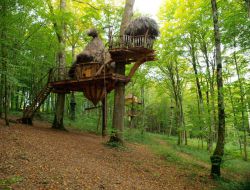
{"type": "Point", "coordinates": [127, 41]}
{"type": "Point", "coordinates": [80, 71]}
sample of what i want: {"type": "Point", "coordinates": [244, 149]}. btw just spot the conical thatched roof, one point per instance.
{"type": "Point", "coordinates": [93, 33]}
{"type": "Point", "coordinates": [141, 26]}
{"type": "Point", "coordinates": [130, 98]}
{"type": "Point", "coordinates": [94, 52]}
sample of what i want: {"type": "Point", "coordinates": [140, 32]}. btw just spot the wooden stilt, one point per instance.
{"type": "Point", "coordinates": [104, 116]}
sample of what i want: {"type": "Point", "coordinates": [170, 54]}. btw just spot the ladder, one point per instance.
{"type": "Point", "coordinates": [30, 110]}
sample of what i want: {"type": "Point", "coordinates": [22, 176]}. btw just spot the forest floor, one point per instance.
{"type": "Point", "coordinates": [37, 157]}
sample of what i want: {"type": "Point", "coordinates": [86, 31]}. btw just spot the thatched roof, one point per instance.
{"type": "Point", "coordinates": [141, 26]}
{"type": "Point", "coordinates": [94, 52]}
{"type": "Point", "coordinates": [93, 33]}
{"type": "Point", "coordinates": [130, 98]}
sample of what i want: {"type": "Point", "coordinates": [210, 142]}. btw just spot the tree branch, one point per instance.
{"type": "Point", "coordinates": [86, 4]}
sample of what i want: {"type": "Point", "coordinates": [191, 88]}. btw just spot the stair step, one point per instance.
{"type": "Point", "coordinates": [37, 102]}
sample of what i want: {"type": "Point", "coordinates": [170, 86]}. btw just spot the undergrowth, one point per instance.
{"type": "Point", "coordinates": [6, 183]}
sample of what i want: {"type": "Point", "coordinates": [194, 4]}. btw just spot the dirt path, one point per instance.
{"type": "Point", "coordinates": [38, 157]}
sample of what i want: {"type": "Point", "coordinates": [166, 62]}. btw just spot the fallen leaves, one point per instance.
{"type": "Point", "coordinates": [48, 159]}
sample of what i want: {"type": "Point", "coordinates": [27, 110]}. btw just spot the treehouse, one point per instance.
{"type": "Point", "coordinates": [93, 73]}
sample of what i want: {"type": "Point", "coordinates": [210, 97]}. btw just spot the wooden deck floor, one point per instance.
{"type": "Point", "coordinates": [130, 55]}
{"type": "Point", "coordinates": [109, 81]}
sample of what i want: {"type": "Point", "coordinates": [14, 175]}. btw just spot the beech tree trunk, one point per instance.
{"type": "Point", "coordinates": [72, 107]}
{"type": "Point", "coordinates": [127, 15]}
{"type": "Point", "coordinates": [60, 32]}
{"type": "Point", "coordinates": [210, 104]}
{"type": "Point", "coordinates": [242, 102]}
{"type": "Point", "coordinates": [119, 97]}
{"type": "Point", "coordinates": [248, 7]}
{"type": "Point", "coordinates": [72, 97]}
{"type": "Point", "coordinates": [119, 107]}
{"type": "Point", "coordinates": [1, 93]}
{"type": "Point", "coordinates": [198, 86]}
{"type": "Point", "coordinates": [172, 73]}
{"type": "Point", "coordinates": [235, 121]}
{"type": "Point", "coordinates": [5, 99]}
{"type": "Point", "coordinates": [216, 158]}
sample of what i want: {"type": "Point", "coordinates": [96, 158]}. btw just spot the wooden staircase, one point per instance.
{"type": "Point", "coordinates": [36, 103]}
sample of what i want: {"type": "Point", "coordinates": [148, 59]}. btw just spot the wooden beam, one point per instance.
{"type": "Point", "coordinates": [104, 116]}
{"type": "Point", "coordinates": [92, 108]}
{"type": "Point", "coordinates": [135, 67]}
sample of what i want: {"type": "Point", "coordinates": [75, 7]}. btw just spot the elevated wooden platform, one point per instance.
{"type": "Point", "coordinates": [92, 79]}
{"type": "Point", "coordinates": [130, 49]}
{"type": "Point", "coordinates": [130, 55]}
{"type": "Point", "coordinates": [109, 80]}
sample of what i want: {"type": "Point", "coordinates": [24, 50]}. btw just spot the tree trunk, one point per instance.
{"type": "Point", "coordinates": [242, 102]}
{"type": "Point", "coordinates": [248, 7]}
{"type": "Point", "coordinates": [4, 63]}
{"type": "Point", "coordinates": [119, 107]}
{"type": "Point", "coordinates": [119, 96]}
{"type": "Point", "coordinates": [127, 15]}
{"type": "Point", "coordinates": [58, 119]}
{"type": "Point", "coordinates": [171, 119]}
{"type": "Point", "coordinates": [72, 107]}
{"type": "Point", "coordinates": [143, 108]}
{"type": "Point", "coordinates": [210, 104]}
{"type": "Point", "coordinates": [61, 32]}
{"type": "Point", "coordinates": [1, 93]}
{"type": "Point", "coordinates": [198, 86]}
{"type": "Point", "coordinates": [72, 98]}
{"type": "Point", "coordinates": [180, 106]}
{"type": "Point", "coordinates": [173, 75]}
{"type": "Point", "coordinates": [216, 158]}
{"type": "Point", "coordinates": [235, 121]}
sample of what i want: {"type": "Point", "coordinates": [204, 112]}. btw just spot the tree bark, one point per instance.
{"type": "Point", "coordinates": [72, 107]}
{"type": "Point", "coordinates": [248, 7]}
{"type": "Point", "coordinates": [127, 15]}
{"type": "Point", "coordinates": [235, 121]}
{"type": "Point", "coordinates": [58, 119]}
{"type": "Point", "coordinates": [242, 102]}
{"type": "Point", "coordinates": [198, 86]}
{"type": "Point", "coordinates": [143, 108]}
{"type": "Point", "coordinates": [1, 93]}
{"type": "Point", "coordinates": [210, 104]}
{"type": "Point", "coordinates": [216, 158]}
{"type": "Point", "coordinates": [119, 107]}
{"type": "Point", "coordinates": [4, 63]}
{"type": "Point", "coordinates": [119, 97]}
{"type": "Point", "coordinates": [72, 98]}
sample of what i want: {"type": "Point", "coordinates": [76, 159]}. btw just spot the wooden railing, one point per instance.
{"type": "Point", "coordinates": [80, 71]}
{"type": "Point", "coordinates": [127, 41]}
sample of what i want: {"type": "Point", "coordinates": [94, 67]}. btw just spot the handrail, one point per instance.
{"type": "Point", "coordinates": [77, 72]}
{"type": "Point", "coordinates": [127, 41]}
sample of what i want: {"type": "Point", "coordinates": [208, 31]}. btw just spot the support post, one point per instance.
{"type": "Point", "coordinates": [119, 107]}
{"type": "Point", "coordinates": [104, 116]}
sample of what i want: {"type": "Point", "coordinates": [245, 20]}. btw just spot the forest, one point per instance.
{"type": "Point", "coordinates": [97, 94]}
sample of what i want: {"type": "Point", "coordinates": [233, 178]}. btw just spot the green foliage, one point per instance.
{"type": "Point", "coordinates": [136, 136]}
{"type": "Point", "coordinates": [6, 183]}
{"type": "Point", "coordinates": [225, 184]}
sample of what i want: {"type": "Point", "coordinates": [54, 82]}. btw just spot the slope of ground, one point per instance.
{"type": "Point", "coordinates": [37, 157]}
